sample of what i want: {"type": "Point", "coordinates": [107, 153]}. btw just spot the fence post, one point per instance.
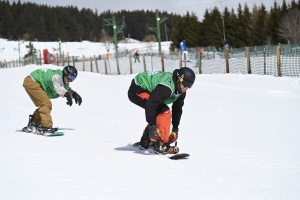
{"type": "Point", "coordinates": [40, 58]}
{"type": "Point", "coordinates": [83, 63]}
{"type": "Point", "coordinates": [144, 61]}
{"type": "Point", "coordinates": [96, 64]}
{"type": "Point", "coordinates": [265, 70]}
{"type": "Point", "coordinates": [68, 58]}
{"type": "Point", "coordinates": [162, 61]}
{"type": "Point", "coordinates": [278, 60]}
{"type": "Point", "coordinates": [179, 58]}
{"type": "Point", "coordinates": [63, 59]}
{"type": "Point", "coordinates": [226, 60]}
{"type": "Point", "coordinates": [57, 59]}
{"type": "Point", "coordinates": [248, 60]}
{"type": "Point", "coordinates": [73, 61]}
{"type": "Point", "coordinates": [105, 65]}
{"type": "Point", "coordinates": [118, 68]}
{"type": "Point", "coordinates": [91, 64]}
{"type": "Point", "coordinates": [130, 63]}
{"type": "Point", "coordinates": [199, 62]}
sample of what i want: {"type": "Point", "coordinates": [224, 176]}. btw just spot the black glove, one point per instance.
{"type": "Point", "coordinates": [175, 130]}
{"type": "Point", "coordinates": [153, 134]}
{"type": "Point", "coordinates": [77, 98]}
{"type": "Point", "coordinates": [69, 98]}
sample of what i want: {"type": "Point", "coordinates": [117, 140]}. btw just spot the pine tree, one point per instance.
{"type": "Point", "coordinates": [258, 27]}
{"type": "Point", "coordinates": [178, 32]}
{"type": "Point", "coordinates": [192, 30]}
{"type": "Point", "coordinates": [212, 28]}
{"type": "Point", "coordinates": [229, 27]}
{"type": "Point", "coordinates": [7, 22]}
{"type": "Point", "coordinates": [40, 31]}
{"type": "Point", "coordinates": [273, 24]}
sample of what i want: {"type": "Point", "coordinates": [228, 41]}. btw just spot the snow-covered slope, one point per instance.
{"type": "Point", "coordinates": [242, 132]}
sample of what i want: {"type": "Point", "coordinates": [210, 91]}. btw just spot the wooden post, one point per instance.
{"type": "Point", "coordinates": [278, 60]}
{"type": "Point", "coordinates": [162, 61]}
{"type": "Point", "coordinates": [199, 62]}
{"type": "Point", "coordinates": [96, 64]}
{"type": "Point", "coordinates": [63, 59]}
{"type": "Point", "coordinates": [105, 65]}
{"type": "Point", "coordinates": [118, 68]}
{"type": "Point", "coordinates": [144, 61]}
{"type": "Point", "coordinates": [73, 61]}
{"type": "Point", "coordinates": [248, 60]}
{"type": "Point", "coordinates": [179, 58]}
{"type": "Point", "coordinates": [68, 59]}
{"type": "Point", "coordinates": [130, 63]}
{"type": "Point", "coordinates": [91, 64]}
{"type": "Point", "coordinates": [57, 59]}
{"type": "Point", "coordinates": [265, 70]}
{"type": "Point", "coordinates": [83, 63]}
{"type": "Point", "coordinates": [226, 60]}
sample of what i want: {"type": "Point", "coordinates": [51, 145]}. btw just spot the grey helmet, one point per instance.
{"type": "Point", "coordinates": [70, 72]}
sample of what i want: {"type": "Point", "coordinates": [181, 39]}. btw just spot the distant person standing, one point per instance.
{"type": "Point", "coordinates": [184, 51]}
{"type": "Point", "coordinates": [136, 56]}
{"type": "Point", "coordinates": [227, 46]}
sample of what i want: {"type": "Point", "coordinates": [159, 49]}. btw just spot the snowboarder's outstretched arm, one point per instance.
{"type": "Point", "coordinates": [61, 91]}
{"type": "Point", "coordinates": [58, 85]}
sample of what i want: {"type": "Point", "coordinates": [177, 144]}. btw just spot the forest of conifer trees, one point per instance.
{"type": "Point", "coordinates": [244, 26]}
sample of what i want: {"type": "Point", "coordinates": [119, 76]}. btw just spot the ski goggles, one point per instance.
{"type": "Point", "coordinates": [71, 78]}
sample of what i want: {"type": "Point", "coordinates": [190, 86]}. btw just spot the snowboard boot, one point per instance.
{"type": "Point", "coordinates": [165, 148]}
{"type": "Point", "coordinates": [145, 141]}
{"type": "Point", "coordinates": [30, 128]}
{"type": "Point", "coordinates": [45, 131]}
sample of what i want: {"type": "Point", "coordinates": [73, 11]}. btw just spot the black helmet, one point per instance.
{"type": "Point", "coordinates": [70, 72]}
{"type": "Point", "coordinates": [186, 76]}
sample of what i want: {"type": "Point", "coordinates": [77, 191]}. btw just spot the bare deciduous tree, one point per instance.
{"type": "Point", "coordinates": [150, 39]}
{"type": "Point", "coordinates": [106, 40]}
{"type": "Point", "coordinates": [289, 27]}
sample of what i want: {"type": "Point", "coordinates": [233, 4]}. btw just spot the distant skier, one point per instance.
{"type": "Point", "coordinates": [136, 56]}
{"type": "Point", "coordinates": [153, 91]}
{"type": "Point", "coordinates": [184, 51]}
{"type": "Point", "coordinates": [45, 84]}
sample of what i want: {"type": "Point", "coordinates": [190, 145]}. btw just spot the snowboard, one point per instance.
{"type": "Point", "coordinates": [58, 133]}
{"type": "Point", "coordinates": [178, 156]}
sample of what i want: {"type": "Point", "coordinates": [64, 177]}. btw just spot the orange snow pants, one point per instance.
{"type": "Point", "coordinates": [40, 100]}
{"type": "Point", "coordinates": [163, 120]}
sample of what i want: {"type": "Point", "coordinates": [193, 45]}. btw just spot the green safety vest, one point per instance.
{"type": "Point", "coordinates": [44, 77]}
{"type": "Point", "coordinates": [149, 80]}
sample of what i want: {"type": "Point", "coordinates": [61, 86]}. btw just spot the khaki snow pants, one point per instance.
{"type": "Point", "coordinates": [41, 100]}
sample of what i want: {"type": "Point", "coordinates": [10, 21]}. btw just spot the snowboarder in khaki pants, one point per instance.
{"type": "Point", "coordinates": [45, 84]}
{"type": "Point", "coordinates": [40, 100]}
{"type": "Point", "coordinates": [153, 91]}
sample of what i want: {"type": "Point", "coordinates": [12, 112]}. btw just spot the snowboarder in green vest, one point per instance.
{"type": "Point", "coordinates": [45, 84]}
{"type": "Point", "coordinates": [153, 91]}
